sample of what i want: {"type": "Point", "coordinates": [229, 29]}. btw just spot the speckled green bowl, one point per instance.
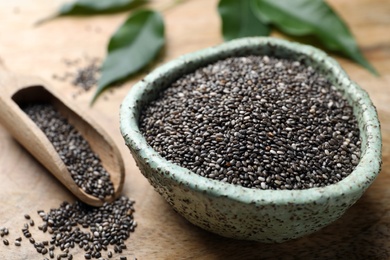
{"type": "Point", "coordinates": [243, 213]}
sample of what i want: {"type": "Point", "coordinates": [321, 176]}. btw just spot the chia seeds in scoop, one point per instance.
{"type": "Point", "coordinates": [82, 163]}
{"type": "Point", "coordinates": [256, 121]}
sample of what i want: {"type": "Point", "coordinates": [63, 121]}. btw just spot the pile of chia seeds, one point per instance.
{"type": "Point", "coordinates": [256, 121]}
{"type": "Point", "coordinates": [83, 164]}
{"type": "Point", "coordinates": [83, 73]}
{"type": "Point", "coordinates": [100, 232]}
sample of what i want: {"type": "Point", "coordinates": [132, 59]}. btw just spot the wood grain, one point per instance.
{"type": "Point", "coordinates": [25, 186]}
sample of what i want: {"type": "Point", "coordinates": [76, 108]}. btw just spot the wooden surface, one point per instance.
{"type": "Point", "coordinates": [25, 186]}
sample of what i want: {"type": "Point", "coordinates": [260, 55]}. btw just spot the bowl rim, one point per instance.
{"type": "Point", "coordinates": [355, 183]}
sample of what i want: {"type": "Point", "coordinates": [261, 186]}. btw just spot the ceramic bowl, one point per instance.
{"type": "Point", "coordinates": [243, 213]}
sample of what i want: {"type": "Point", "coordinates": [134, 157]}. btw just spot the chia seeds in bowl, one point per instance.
{"type": "Point", "coordinates": [282, 152]}
{"type": "Point", "coordinates": [255, 121]}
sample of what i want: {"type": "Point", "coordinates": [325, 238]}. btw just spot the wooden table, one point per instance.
{"type": "Point", "coordinates": [25, 186]}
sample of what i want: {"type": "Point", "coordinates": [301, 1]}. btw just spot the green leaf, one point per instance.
{"type": "Point", "coordinates": [93, 7]}
{"type": "Point", "coordinates": [132, 47]}
{"type": "Point", "coordinates": [88, 7]}
{"type": "Point", "coordinates": [312, 17]}
{"type": "Point", "coordinates": [238, 20]}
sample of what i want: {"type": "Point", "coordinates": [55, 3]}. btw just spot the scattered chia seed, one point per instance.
{"type": "Point", "coordinates": [93, 229]}
{"type": "Point", "coordinates": [82, 163]}
{"type": "Point", "coordinates": [85, 72]}
{"type": "Point", "coordinates": [26, 232]}
{"type": "Point", "coordinates": [86, 77]}
{"type": "Point", "coordinates": [255, 121]}
{"type": "Point", "coordinates": [3, 231]}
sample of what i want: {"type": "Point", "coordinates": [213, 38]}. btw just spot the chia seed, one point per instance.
{"type": "Point", "coordinates": [83, 164]}
{"type": "Point", "coordinates": [93, 229]}
{"type": "Point", "coordinates": [256, 121]}
{"type": "Point", "coordinates": [3, 231]}
{"type": "Point", "coordinates": [83, 73]}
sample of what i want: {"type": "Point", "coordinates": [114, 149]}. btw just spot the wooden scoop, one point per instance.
{"type": "Point", "coordinates": [16, 90]}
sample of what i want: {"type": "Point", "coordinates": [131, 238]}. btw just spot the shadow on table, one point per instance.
{"type": "Point", "coordinates": [362, 233]}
